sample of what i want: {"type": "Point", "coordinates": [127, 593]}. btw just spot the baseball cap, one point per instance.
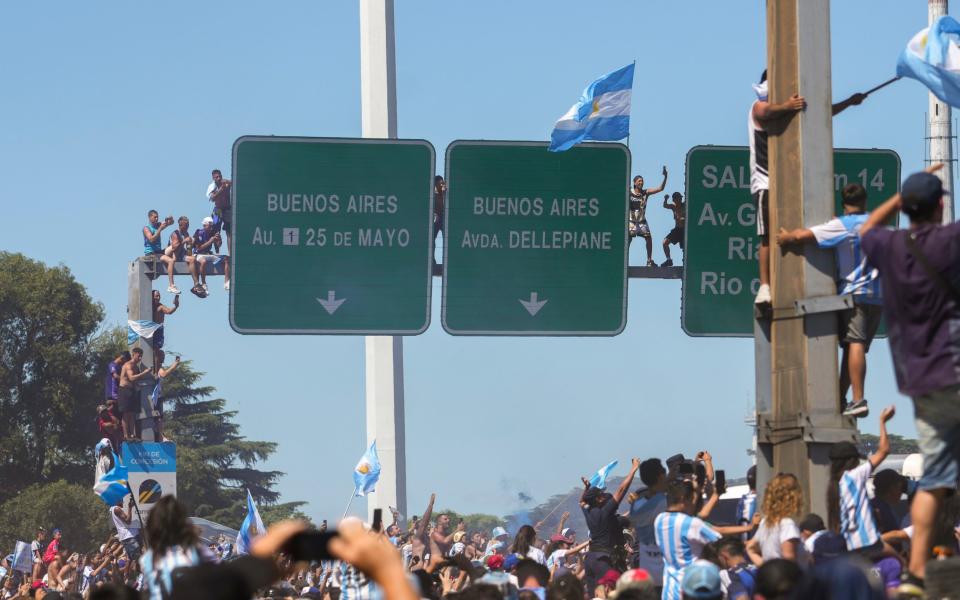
{"type": "Point", "coordinates": [510, 562]}
{"type": "Point", "coordinates": [701, 580]}
{"type": "Point", "coordinates": [921, 189]}
{"type": "Point", "coordinates": [634, 579]}
{"type": "Point", "coordinates": [207, 220]}
{"type": "Point", "coordinates": [844, 450]}
{"type": "Point", "coordinates": [568, 532]}
{"type": "Point", "coordinates": [560, 538]}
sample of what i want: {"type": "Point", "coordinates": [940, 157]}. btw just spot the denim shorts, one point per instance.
{"type": "Point", "coordinates": [937, 417]}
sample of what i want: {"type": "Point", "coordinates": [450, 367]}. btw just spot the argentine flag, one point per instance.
{"type": "Point", "coordinates": [599, 479]}
{"type": "Point", "coordinates": [367, 472]}
{"type": "Point", "coordinates": [932, 57]}
{"type": "Point", "coordinates": [112, 486]}
{"type": "Point", "coordinates": [251, 529]}
{"type": "Point", "coordinates": [602, 113]}
{"type": "Point", "coordinates": [141, 329]}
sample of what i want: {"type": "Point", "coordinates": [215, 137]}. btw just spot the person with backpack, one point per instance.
{"type": "Point", "coordinates": [920, 271]}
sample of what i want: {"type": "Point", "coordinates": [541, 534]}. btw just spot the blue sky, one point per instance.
{"type": "Point", "coordinates": [114, 108]}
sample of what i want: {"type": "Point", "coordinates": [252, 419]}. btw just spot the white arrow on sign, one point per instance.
{"type": "Point", "coordinates": [533, 305]}
{"type": "Point", "coordinates": [331, 304]}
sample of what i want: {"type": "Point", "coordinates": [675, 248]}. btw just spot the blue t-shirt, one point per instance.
{"type": "Point", "coordinates": [854, 274]}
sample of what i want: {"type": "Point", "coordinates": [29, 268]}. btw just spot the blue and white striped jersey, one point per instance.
{"type": "Point", "coordinates": [746, 508]}
{"type": "Point", "coordinates": [856, 519]}
{"type": "Point", "coordinates": [854, 275]}
{"type": "Point", "coordinates": [681, 538]}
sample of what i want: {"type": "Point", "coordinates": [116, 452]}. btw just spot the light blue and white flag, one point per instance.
{"type": "Point", "coordinates": [599, 479]}
{"type": "Point", "coordinates": [141, 329]}
{"type": "Point", "coordinates": [155, 395]}
{"type": "Point", "coordinates": [932, 57]}
{"type": "Point", "coordinates": [602, 113]}
{"type": "Point", "coordinates": [367, 472]}
{"type": "Point", "coordinates": [22, 558]}
{"type": "Point", "coordinates": [112, 485]}
{"type": "Point", "coordinates": [251, 529]}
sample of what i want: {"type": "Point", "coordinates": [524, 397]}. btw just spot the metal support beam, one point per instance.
{"type": "Point", "coordinates": [384, 354]}
{"type": "Point", "coordinates": [804, 376]}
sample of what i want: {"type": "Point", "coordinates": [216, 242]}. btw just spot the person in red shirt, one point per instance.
{"type": "Point", "coordinates": [109, 426]}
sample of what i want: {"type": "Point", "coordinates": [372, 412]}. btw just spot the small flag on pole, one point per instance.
{"type": "Point", "coordinates": [602, 113]}
{"type": "Point", "coordinates": [932, 57]}
{"type": "Point", "coordinates": [367, 472]}
{"type": "Point", "coordinates": [112, 485]}
{"type": "Point", "coordinates": [251, 529]}
{"type": "Point", "coordinates": [599, 479]}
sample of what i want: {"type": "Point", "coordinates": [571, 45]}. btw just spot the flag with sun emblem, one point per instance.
{"type": "Point", "coordinates": [251, 529]}
{"type": "Point", "coordinates": [602, 113]}
{"type": "Point", "coordinates": [933, 58]}
{"type": "Point", "coordinates": [367, 471]}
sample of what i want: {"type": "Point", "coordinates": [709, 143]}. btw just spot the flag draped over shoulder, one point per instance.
{"type": "Point", "coordinates": [251, 529]}
{"type": "Point", "coordinates": [599, 479]}
{"type": "Point", "coordinates": [112, 486]}
{"type": "Point", "coordinates": [602, 113]}
{"type": "Point", "coordinates": [141, 329]}
{"type": "Point", "coordinates": [367, 472]}
{"type": "Point", "coordinates": [932, 57]}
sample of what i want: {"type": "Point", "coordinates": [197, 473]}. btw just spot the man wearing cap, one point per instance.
{"type": "Point", "coordinates": [701, 581]}
{"type": "Point", "coordinates": [606, 534]}
{"type": "Point", "coordinates": [920, 268]}
{"type": "Point", "coordinates": [203, 242]}
{"type": "Point", "coordinates": [855, 277]}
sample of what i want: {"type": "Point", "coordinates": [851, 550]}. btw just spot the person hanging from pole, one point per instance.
{"type": "Point", "coordinates": [128, 528]}
{"type": "Point", "coordinates": [637, 224]}
{"type": "Point", "coordinates": [766, 116]}
{"type": "Point", "coordinates": [856, 277]}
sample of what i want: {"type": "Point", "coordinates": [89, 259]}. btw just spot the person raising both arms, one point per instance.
{"type": "Point", "coordinates": [637, 224]}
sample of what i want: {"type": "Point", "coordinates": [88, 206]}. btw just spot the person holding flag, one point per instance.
{"type": "Point", "coordinates": [251, 528]}
{"type": "Point", "coordinates": [600, 511]}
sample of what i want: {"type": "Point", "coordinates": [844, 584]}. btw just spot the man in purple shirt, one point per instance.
{"type": "Point", "coordinates": [112, 382]}
{"type": "Point", "coordinates": [920, 271]}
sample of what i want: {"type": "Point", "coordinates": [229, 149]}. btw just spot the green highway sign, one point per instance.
{"type": "Point", "coordinates": [535, 242]}
{"type": "Point", "coordinates": [331, 236]}
{"type": "Point", "coordinates": [720, 277]}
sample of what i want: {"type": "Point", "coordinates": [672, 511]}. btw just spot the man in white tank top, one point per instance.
{"type": "Point", "coordinates": [128, 529]}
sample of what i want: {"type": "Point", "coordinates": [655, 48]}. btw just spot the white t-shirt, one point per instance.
{"type": "Point", "coordinates": [537, 555]}
{"type": "Point", "coordinates": [771, 536]}
{"type": "Point", "coordinates": [125, 531]}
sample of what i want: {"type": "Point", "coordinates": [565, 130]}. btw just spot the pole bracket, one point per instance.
{"type": "Point", "coordinates": [822, 304]}
{"type": "Point", "coordinates": [811, 428]}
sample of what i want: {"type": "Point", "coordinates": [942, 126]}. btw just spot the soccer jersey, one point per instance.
{"type": "Point", "coordinates": [681, 538]}
{"type": "Point", "coordinates": [746, 508]}
{"type": "Point", "coordinates": [856, 519]}
{"type": "Point", "coordinates": [759, 174]}
{"type": "Point", "coordinates": [854, 275]}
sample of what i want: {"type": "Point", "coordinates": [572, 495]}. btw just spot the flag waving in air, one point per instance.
{"type": "Point", "coordinates": [251, 529]}
{"type": "Point", "coordinates": [932, 57]}
{"type": "Point", "coordinates": [112, 486]}
{"type": "Point", "coordinates": [367, 472]}
{"type": "Point", "coordinates": [599, 479]}
{"type": "Point", "coordinates": [602, 113]}
{"type": "Point", "coordinates": [141, 329]}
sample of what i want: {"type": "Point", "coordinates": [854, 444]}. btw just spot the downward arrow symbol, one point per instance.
{"type": "Point", "coordinates": [533, 305]}
{"type": "Point", "coordinates": [331, 304]}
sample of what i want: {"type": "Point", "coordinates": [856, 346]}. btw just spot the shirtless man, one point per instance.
{"type": "Point", "coordinates": [129, 401]}
{"type": "Point", "coordinates": [637, 224]}
{"type": "Point", "coordinates": [160, 311]}
{"type": "Point", "coordinates": [441, 538]}
{"type": "Point", "coordinates": [677, 234]}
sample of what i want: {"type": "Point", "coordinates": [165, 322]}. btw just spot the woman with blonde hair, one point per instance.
{"type": "Point", "coordinates": [778, 535]}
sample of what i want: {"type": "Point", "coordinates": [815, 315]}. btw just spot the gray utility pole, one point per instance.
{"type": "Point", "coordinates": [941, 129]}
{"type": "Point", "coordinates": [384, 354]}
{"type": "Point", "coordinates": [803, 417]}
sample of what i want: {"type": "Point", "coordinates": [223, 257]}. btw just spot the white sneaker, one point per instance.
{"type": "Point", "coordinates": [205, 288]}
{"type": "Point", "coordinates": [226, 286]}
{"type": "Point", "coordinates": [173, 289]}
{"type": "Point", "coordinates": [763, 295]}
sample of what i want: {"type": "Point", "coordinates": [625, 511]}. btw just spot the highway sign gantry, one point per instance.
{"type": "Point", "coordinates": [331, 236]}
{"type": "Point", "coordinates": [720, 276]}
{"type": "Point", "coordinates": [535, 242]}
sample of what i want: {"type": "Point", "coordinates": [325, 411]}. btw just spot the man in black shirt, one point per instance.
{"type": "Point", "coordinates": [606, 534]}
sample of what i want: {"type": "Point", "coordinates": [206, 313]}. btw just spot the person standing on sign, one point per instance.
{"type": "Point", "coordinates": [763, 115]}
{"type": "Point", "coordinates": [678, 233]}
{"type": "Point", "coordinates": [637, 224]}
{"type": "Point", "coordinates": [129, 404]}
{"type": "Point", "coordinates": [855, 276]}
{"type": "Point", "coordinates": [439, 201]}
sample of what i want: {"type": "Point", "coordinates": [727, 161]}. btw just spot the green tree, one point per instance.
{"type": "Point", "coordinates": [74, 508]}
{"type": "Point", "coordinates": [898, 444]}
{"type": "Point", "coordinates": [48, 384]}
{"type": "Point", "coordinates": [473, 521]}
{"type": "Point", "coordinates": [216, 465]}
